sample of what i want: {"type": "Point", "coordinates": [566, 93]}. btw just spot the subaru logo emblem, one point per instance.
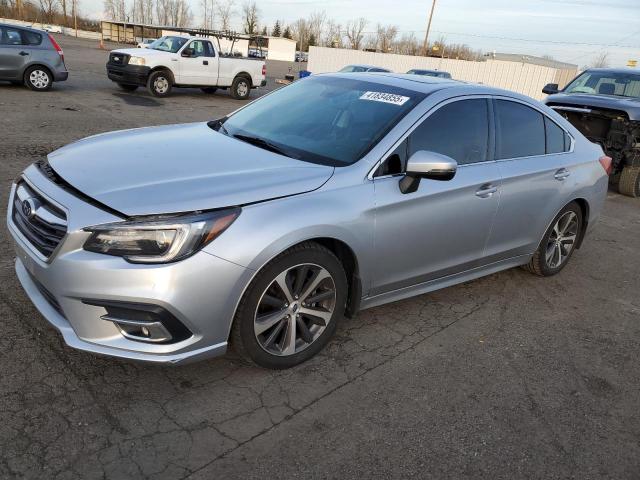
{"type": "Point", "coordinates": [28, 207]}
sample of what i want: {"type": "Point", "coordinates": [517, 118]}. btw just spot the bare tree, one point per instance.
{"type": "Point", "coordinates": [224, 9]}
{"type": "Point", "coordinates": [354, 32]}
{"type": "Point", "coordinates": [250, 15]}
{"type": "Point", "coordinates": [601, 61]}
{"type": "Point", "coordinates": [385, 37]}
{"type": "Point", "coordinates": [333, 35]}
{"type": "Point", "coordinates": [63, 5]}
{"type": "Point", "coordinates": [208, 13]}
{"type": "Point", "coordinates": [48, 9]}
{"type": "Point", "coordinates": [315, 23]}
{"type": "Point", "coordinates": [407, 45]}
{"type": "Point", "coordinates": [300, 32]}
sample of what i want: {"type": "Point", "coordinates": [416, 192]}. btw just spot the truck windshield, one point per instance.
{"type": "Point", "coordinates": [620, 84]}
{"type": "Point", "coordinates": [168, 44]}
{"type": "Point", "coordinates": [327, 120]}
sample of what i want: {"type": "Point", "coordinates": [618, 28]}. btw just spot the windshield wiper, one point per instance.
{"type": "Point", "coordinates": [262, 143]}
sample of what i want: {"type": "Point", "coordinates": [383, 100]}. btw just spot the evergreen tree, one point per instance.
{"type": "Point", "coordinates": [277, 31]}
{"type": "Point", "coordinates": [312, 41]}
{"type": "Point", "coordinates": [287, 33]}
{"type": "Point", "coordinates": [264, 32]}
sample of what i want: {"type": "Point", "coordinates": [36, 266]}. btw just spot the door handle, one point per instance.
{"type": "Point", "coordinates": [23, 53]}
{"type": "Point", "coordinates": [562, 174]}
{"type": "Point", "coordinates": [205, 62]}
{"type": "Point", "coordinates": [486, 191]}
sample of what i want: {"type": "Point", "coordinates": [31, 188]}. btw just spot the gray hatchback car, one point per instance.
{"type": "Point", "coordinates": [30, 57]}
{"type": "Point", "coordinates": [337, 193]}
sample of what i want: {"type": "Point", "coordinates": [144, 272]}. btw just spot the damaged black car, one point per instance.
{"type": "Point", "coordinates": [604, 104]}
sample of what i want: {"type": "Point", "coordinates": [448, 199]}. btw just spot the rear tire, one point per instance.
{"type": "Point", "coordinates": [241, 88]}
{"type": "Point", "coordinates": [127, 87]}
{"type": "Point", "coordinates": [629, 184]}
{"type": "Point", "coordinates": [209, 90]}
{"type": "Point", "coordinates": [559, 242]}
{"type": "Point", "coordinates": [160, 83]}
{"type": "Point", "coordinates": [38, 79]}
{"type": "Point", "coordinates": [311, 307]}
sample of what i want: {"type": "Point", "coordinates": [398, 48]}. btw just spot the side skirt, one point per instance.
{"type": "Point", "coordinates": [443, 282]}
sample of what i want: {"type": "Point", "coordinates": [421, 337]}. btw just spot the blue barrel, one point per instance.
{"type": "Point", "coordinates": [304, 73]}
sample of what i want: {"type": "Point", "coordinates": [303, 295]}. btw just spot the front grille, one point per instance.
{"type": "Point", "coordinates": [118, 59]}
{"type": "Point", "coordinates": [42, 223]}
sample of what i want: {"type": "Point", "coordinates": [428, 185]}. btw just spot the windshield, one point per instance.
{"type": "Point", "coordinates": [168, 44]}
{"type": "Point", "coordinates": [353, 69]}
{"type": "Point", "coordinates": [327, 120]}
{"type": "Point", "coordinates": [606, 83]}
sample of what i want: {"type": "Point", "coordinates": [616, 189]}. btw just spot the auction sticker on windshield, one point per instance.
{"type": "Point", "coordinates": [384, 97]}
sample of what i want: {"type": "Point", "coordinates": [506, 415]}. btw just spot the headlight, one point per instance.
{"type": "Point", "coordinates": [160, 239]}
{"type": "Point", "coordinates": [136, 61]}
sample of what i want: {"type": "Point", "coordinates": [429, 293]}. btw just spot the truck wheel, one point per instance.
{"type": "Point", "coordinates": [38, 78]}
{"type": "Point", "coordinates": [127, 87]}
{"type": "Point", "coordinates": [630, 182]}
{"type": "Point", "coordinates": [241, 88]}
{"type": "Point", "coordinates": [159, 83]}
{"type": "Point", "coordinates": [209, 90]}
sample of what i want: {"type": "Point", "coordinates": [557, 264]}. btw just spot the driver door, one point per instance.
{"type": "Point", "coordinates": [442, 228]}
{"type": "Point", "coordinates": [201, 67]}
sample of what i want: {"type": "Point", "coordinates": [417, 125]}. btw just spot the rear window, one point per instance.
{"type": "Point", "coordinates": [520, 130]}
{"type": "Point", "coordinates": [557, 139]}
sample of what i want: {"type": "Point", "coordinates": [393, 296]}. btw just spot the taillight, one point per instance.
{"type": "Point", "coordinates": [606, 163]}
{"type": "Point", "coordinates": [56, 46]}
{"type": "Point", "coordinates": [264, 70]}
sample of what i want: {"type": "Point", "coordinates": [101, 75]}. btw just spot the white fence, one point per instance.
{"type": "Point", "coordinates": [64, 30]}
{"type": "Point", "coordinates": [524, 78]}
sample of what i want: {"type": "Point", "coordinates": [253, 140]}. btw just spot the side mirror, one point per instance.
{"type": "Point", "coordinates": [188, 52]}
{"type": "Point", "coordinates": [550, 88]}
{"type": "Point", "coordinates": [430, 165]}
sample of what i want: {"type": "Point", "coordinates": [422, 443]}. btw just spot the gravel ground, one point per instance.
{"type": "Point", "coordinates": [510, 376]}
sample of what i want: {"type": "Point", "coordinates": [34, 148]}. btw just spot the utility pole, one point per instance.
{"type": "Point", "coordinates": [426, 36]}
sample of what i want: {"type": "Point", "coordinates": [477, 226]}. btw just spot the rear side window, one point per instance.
{"type": "Point", "coordinates": [10, 36]}
{"type": "Point", "coordinates": [31, 38]}
{"type": "Point", "coordinates": [557, 139]}
{"type": "Point", "coordinates": [459, 130]}
{"type": "Point", "coordinates": [520, 130]}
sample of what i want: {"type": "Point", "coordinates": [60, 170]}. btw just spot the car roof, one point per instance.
{"type": "Point", "coordinates": [614, 70]}
{"type": "Point", "coordinates": [23, 27]}
{"type": "Point", "coordinates": [426, 70]}
{"type": "Point", "coordinates": [428, 85]}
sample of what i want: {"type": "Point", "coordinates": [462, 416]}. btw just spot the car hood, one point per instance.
{"type": "Point", "coordinates": [180, 168]}
{"type": "Point", "coordinates": [140, 52]}
{"type": "Point", "coordinates": [629, 105]}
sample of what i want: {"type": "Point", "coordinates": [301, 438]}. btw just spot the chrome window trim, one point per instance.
{"type": "Point", "coordinates": [427, 114]}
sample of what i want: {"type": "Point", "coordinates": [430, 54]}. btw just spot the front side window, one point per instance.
{"type": "Point", "coordinates": [198, 48]}
{"type": "Point", "coordinates": [519, 130]}
{"type": "Point", "coordinates": [328, 120]}
{"type": "Point", "coordinates": [459, 130]}
{"type": "Point", "coordinates": [622, 84]}
{"type": "Point", "coordinates": [10, 36]}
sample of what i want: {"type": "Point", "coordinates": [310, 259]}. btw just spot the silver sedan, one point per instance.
{"type": "Point", "coordinates": [265, 228]}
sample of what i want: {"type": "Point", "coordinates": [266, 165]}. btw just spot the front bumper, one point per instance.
{"type": "Point", "coordinates": [201, 291]}
{"type": "Point", "coordinates": [128, 74]}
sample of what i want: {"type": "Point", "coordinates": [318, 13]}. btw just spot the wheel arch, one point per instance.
{"type": "Point", "coordinates": [584, 207]}
{"type": "Point", "coordinates": [246, 75]}
{"type": "Point", "coordinates": [36, 64]}
{"type": "Point", "coordinates": [164, 68]}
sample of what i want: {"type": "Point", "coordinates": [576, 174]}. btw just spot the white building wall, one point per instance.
{"type": "Point", "coordinates": [524, 78]}
{"type": "Point", "coordinates": [281, 49]}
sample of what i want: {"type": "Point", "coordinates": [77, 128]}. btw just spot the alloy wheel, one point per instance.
{"type": "Point", "coordinates": [39, 79]}
{"type": "Point", "coordinates": [295, 309]}
{"type": "Point", "coordinates": [242, 89]}
{"type": "Point", "coordinates": [562, 240]}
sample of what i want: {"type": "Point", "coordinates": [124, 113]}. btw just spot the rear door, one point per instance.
{"type": "Point", "coordinates": [14, 55]}
{"type": "Point", "coordinates": [202, 67]}
{"type": "Point", "coordinates": [531, 152]}
{"type": "Point", "coordinates": [440, 229]}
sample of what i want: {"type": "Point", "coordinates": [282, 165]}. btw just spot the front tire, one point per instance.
{"type": "Point", "coordinates": [629, 184]}
{"type": "Point", "coordinates": [559, 242]}
{"type": "Point", "coordinates": [291, 309]}
{"type": "Point", "coordinates": [241, 88]}
{"type": "Point", "coordinates": [38, 78]}
{"type": "Point", "coordinates": [127, 87]}
{"type": "Point", "coordinates": [160, 83]}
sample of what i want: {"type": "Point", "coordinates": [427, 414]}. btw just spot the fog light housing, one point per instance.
{"type": "Point", "coordinates": [143, 322]}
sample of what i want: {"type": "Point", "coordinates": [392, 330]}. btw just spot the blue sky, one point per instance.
{"type": "Point", "coordinates": [587, 26]}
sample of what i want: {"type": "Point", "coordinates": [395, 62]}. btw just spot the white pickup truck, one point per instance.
{"type": "Point", "coordinates": [175, 61]}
